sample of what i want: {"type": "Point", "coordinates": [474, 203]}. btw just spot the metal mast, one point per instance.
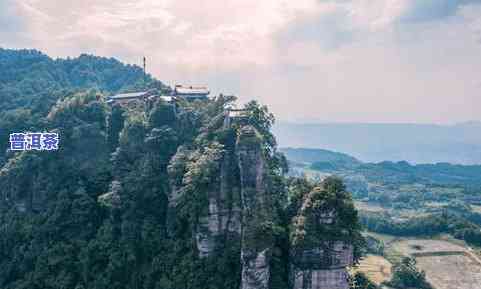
{"type": "Point", "coordinates": [145, 72]}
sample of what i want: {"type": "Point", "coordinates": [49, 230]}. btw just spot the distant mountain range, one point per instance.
{"type": "Point", "coordinates": [387, 174]}
{"type": "Point", "coordinates": [303, 156]}
{"type": "Point", "coordinates": [415, 143]}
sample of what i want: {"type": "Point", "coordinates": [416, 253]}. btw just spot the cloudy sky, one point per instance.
{"type": "Point", "coordinates": [309, 60]}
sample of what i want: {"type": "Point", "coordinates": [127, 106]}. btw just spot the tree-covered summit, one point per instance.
{"type": "Point", "coordinates": [32, 82]}
{"type": "Point", "coordinates": [159, 196]}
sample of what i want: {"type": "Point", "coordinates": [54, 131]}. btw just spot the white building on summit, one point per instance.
{"type": "Point", "coordinates": [190, 92]}
{"type": "Point", "coordinates": [125, 98]}
{"type": "Point", "coordinates": [180, 92]}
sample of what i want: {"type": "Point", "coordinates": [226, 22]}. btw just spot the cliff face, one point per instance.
{"type": "Point", "coordinates": [256, 211]}
{"type": "Point", "coordinates": [223, 186]}
{"type": "Point", "coordinates": [223, 219]}
{"type": "Point", "coordinates": [320, 247]}
{"type": "Point", "coordinates": [323, 267]}
{"type": "Point", "coordinates": [239, 208]}
{"type": "Point", "coordinates": [149, 198]}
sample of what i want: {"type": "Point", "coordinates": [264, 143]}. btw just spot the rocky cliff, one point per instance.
{"type": "Point", "coordinates": [240, 207]}
{"type": "Point", "coordinates": [256, 211]}
{"type": "Point", "coordinates": [198, 199]}
{"type": "Point", "coordinates": [322, 240]}
{"type": "Point", "coordinates": [222, 220]}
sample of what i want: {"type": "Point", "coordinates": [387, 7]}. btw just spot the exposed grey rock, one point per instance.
{"type": "Point", "coordinates": [321, 279]}
{"type": "Point", "coordinates": [240, 209]}
{"type": "Point", "coordinates": [255, 248]}
{"type": "Point", "coordinates": [111, 199]}
{"type": "Point", "coordinates": [223, 220]}
{"type": "Point", "coordinates": [255, 269]}
{"type": "Point", "coordinates": [322, 268]}
{"type": "Point", "coordinates": [317, 261]}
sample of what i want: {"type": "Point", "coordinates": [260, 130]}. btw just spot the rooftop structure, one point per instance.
{"type": "Point", "coordinates": [167, 98]}
{"type": "Point", "coordinates": [124, 98]}
{"type": "Point", "coordinates": [141, 97]}
{"type": "Point", "coordinates": [238, 113]}
{"type": "Point", "coordinates": [191, 92]}
{"type": "Point", "coordinates": [239, 116]}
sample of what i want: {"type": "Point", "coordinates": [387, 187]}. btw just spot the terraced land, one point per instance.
{"type": "Point", "coordinates": [447, 265]}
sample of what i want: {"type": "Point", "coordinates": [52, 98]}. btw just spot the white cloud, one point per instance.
{"type": "Point", "coordinates": [344, 60]}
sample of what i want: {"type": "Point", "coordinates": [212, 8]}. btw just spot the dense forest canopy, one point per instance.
{"type": "Point", "coordinates": [31, 83]}
{"type": "Point", "coordinates": [126, 201]}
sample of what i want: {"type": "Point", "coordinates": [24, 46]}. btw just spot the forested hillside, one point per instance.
{"type": "Point", "coordinates": [156, 197]}
{"type": "Point", "coordinates": [31, 83]}
{"type": "Point", "coordinates": [319, 157]}
{"type": "Point", "coordinates": [399, 198]}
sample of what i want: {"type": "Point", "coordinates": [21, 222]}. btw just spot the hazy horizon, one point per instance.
{"type": "Point", "coordinates": [314, 122]}
{"type": "Point", "coordinates": [381, 61]}
{"type": "Point", "coordinates": [376, 142]}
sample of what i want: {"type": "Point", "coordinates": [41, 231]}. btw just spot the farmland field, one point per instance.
{"type": "Point", "coordinates": [451, 272]}
{"type": "Point", "coordinates": [376, 268]}
{"type": "Point", "coordinates": [420, 246]}
{"type": "Point", "coordinates": [368, 207]}
{"type": "Point", "coordinates": [447, 265]}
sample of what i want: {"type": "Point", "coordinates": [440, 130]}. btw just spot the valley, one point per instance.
{"type": "Point", "coordinates": [428, 212]}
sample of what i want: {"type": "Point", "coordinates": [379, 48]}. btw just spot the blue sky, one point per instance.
{"type": "Point", "coordinates": [335, 61]}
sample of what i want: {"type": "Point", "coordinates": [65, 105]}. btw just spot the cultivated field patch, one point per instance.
{"type": "Point", "coordinates": [419, 246]}
{"type": "Point", "coordinates": [451, 271]}
{"type": "Point", "coordinates": [376, 268]}
{"type": "Point", "coordinates": [447, 265]}
{"type": "Point", "coordinates": [369, 207]}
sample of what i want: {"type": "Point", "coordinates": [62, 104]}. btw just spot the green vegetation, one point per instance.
{"type": "Point", "coordinates": [401, 199]}
{"type": "Point", "coordinates": [120, 203]}
{"type": "Point", "coordinates": [430, 225]}
{"type": "Point", "coordinates": [407, 276]}
{"type": "Point", "coordinates": [360, 281]}
{"type": "Point", "coordinates": [31, 83]}
{"type": "Point", "coordinates": [309, 232]}
{"type": "Point", "coordinates": [316, 157]}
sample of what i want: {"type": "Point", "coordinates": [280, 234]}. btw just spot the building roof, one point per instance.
{"type": "Point", "coordinates": [191, 90]}
{"type": "Point", "coordinates": [167, 98]}
{"type": "Point", "coordinates": [238, 113]}
{"type": "Point", "coordinates": [129, 95]}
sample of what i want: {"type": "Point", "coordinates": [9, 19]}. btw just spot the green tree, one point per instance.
{"type": "Point", "coordinates": [406, 275]}
{"type": "Point", "coordinates": [360, 281]}
{"type": "Point", "coordinates": [115, 124]}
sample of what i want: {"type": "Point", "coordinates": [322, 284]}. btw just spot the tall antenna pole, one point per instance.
{"type": "Point", "coordinates": [145, 72]}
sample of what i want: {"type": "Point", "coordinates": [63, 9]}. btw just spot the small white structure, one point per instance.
{"type": "Point", "coordinates": [150, 96]}
{"type": "Point", "coordinates": [142, 97]}
{"type": "Point", "coordinates": [235, 116]}
{"type": "Point", "coordinates": [190, 92]}
{"type": "Point", "coordinates": [126, 98]}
